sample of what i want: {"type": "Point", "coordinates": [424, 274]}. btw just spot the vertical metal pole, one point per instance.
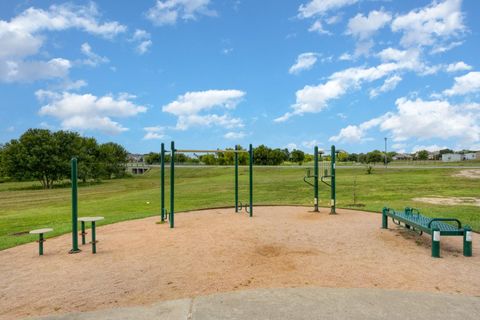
{"type": "Point", "coordinates": [74, 207]}
{"type": "Point", "coordinates": [315, 181]}
{"type": "Point", "coordinates": [94, 238]}
{"type": "Point", "coordinates": [172, 184]}
{"type": "Point", "coordinates": [162, 182]}
{"type": "Point", "coordinates": [40, 245]}
{"type": "Point", "coordinates": [467, 241]}
{"type": "Point", "coordinates": [332, 182]}
{"type": "Point", "coordinates": [384, 218]}
{"type": "Point", "coordinates": [250, 153]}
{"type": "Point", "coordinates": [236, 179]}
{"type": "Point", "coordinates": [436, 243]}
{"type": "Point", "coordinates": [83, 232]}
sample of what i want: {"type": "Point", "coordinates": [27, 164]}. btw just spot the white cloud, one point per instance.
{"type": "Point", "coordinates": [314, 99]}
{"type": "Point", "coordinates": [430, 148]}
{"type": "Point", "coordinates": [305, 61]}
{"type": "Point", "coordinates": [318, 27]}
{"type": "Point", "coordinates": [321, 7]}
{"type": "Point", "coordinates": [310, 144]}
{"type": "Point", "coordinates": [142, 40]}
{"type": "Point", "coordinates": [469, 83]}
{"type": "Point", "coordinates": [154, 133]}
{"type": "Point", "coordinates": [92, 59]}
{"type": "Point", "coordinates": [388, 85]}
{"type": "Point", "coordinates": [345, 57]}
{"type": "Point", "coordinates": [191, 108]}
{"type": "Point", "coordinates": [234, 135]}
{"type": "Point", "coordinates": [88, 112]}
{"type": "Point", "coordinates": [168, 12]}
{"type": "Point", "coordinates": [23, 37]}
{"type": "Point", "coordinates": [291, 146]}
{"type": "Point", "coordinates": [458, 66]}
{"type": "Point", "coordinates": [363, 27]}
{"type": "Point", "coordinates": [429, 25]}
{"type": "Point", "coordinates": [421, 120]}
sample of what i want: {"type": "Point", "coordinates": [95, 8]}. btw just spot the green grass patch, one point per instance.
{"type": "Point", "coordinates": [23, 207]}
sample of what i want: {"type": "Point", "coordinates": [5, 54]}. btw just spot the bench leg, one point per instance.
{"type": "Point", "coordinates": [467, 242]}
{"type": "Point", "coordinates": [94, 240]}
{"type": "Point", "coordinates": [384, 219]}
{"type": "Point", "coordinates": [436, 243]}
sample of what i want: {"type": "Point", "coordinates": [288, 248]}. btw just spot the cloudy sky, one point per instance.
{"type": "Point", "coordinates": [214, 73]}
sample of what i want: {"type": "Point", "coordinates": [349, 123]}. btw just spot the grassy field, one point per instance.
{"type": "Point", "coordinates": [23, 207]}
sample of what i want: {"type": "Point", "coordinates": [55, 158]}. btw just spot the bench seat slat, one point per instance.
{"type": "Point", "coordinates": [421, 222]}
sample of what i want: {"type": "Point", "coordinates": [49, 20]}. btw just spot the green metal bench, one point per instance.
{"type": "Point", "coordinates": [436, 227]}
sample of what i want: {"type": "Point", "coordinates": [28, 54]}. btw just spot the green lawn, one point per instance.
{"type": "Point", "coordinates": [22, 207]}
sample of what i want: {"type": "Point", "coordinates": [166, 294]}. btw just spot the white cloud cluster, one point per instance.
{"type": "Point", "coordinates": [313, 99]}
{"type": "Point", "coordinates": [234, 135]}
{"type": "Point", "coordinates": [439, 21]}
{"type": "Point", "coordinates": [466, 84]}
{"type": "Point", "coordinates": [305, 61]}
{"type": "Point", "coordinates": [318, 9]}
{"type": "Point", "coordinates": [364, 27]}
{"type": "Point", "coordinates": [88, 112]}
{"type": "Point", "coordinates": [92, 59]}
{"type": "Point", "coordinates": [430, 148]}
{"type": "Point", "coordinates": [22, 37]}
{"type": "Point", "coordinates": [154, 133]}
{"type": "Point", "coordinates": [168, 12]}
{"type": "Point", "coordinates": [458, 66]}
{"type": "Point", "coordinates": [143, 41]}
{"type": "Point", "coordinates": [194, 108]}
{"type": "Point", "coordinates": [388, 85]}
{"type": "Point", "coordinates": [420, 120]}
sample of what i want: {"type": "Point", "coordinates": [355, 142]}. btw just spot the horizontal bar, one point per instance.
{"type": "Point", "coordinates": [208, 151]}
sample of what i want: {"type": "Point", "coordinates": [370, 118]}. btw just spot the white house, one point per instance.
{"type": "Point", "coordinates": [471, 156]}
{"type": "Point", "coordinates": [449, 157]}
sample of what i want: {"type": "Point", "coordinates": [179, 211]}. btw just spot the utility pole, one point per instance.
{"type": "Point", "coordinates": [385, 151]}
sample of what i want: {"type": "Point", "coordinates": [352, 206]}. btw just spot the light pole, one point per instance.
{"type": "Point", "coordinates": [385, 151]}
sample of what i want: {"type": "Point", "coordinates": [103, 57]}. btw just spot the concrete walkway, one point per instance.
{"type": "Point", "coordinates": [299, 303]}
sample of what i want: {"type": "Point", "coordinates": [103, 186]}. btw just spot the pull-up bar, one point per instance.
{"type": "Point", "coordinates": [173, 151]}
{"type": "Point", "coordinates": [210, 151]}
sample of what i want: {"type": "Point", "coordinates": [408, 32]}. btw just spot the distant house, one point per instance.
{"type": "Point", "coordinates": [433, 155]}
{"type": "Point", "coordinates": [472, 156]}
{"type": "Point", "coordinates": [135, 157]}
{"type": "Point", "coordinates": [402, 156]}
{"type": "Point", "coordinates": [449, 157]}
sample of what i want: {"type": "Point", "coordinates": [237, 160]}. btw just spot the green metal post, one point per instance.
{"type": "Point", "coordinates": [332, 183]}
{"type": "Point", "coordinates": [236, 179]}
{"type": "Point", "coordinates": [162, 182]}
{"type": "Point", "coordinates": [467, 242]}
{"type": "Point", "coordinates": [384, 218]}
{"type": "Point", "coordinates": [40, 245]}
{"type": "Point", "coordinates": [172, 184]}
{"type": "Point", "coordinates": [83, 231]}
{"type": "Point", "coordinates": [94, 238]}
{"type": "Point", "coordinates": [436, 243]}
{"type": "Point", "coordinates": [74, 179]}
{"type": "Point", "coordinates": [250, 153]}
{"type": "Point", "coordinates": [315, 181]}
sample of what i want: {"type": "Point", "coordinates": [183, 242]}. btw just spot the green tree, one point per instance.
{"type": "Point", "coordinates": [422, 155]}
{"type": "Point", "coordinates": [297, 156]}
{"type": "Point", "coordinates": [152, 157]}
{"type": "Point", "coordinates": [112, 160]}
{"type": "Point", "coordinates": [375, 156]}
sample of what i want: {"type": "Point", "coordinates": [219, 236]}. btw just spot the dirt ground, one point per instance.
{"type": "Point", "coordinates": [470, 173]}
{"type": "Point", "coordinates": [140, 262]}
{"type": "Point", "coordinates": [450, 201]}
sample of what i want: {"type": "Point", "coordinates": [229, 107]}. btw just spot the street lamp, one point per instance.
{"type": "Point", "coordinates": [385, 151]}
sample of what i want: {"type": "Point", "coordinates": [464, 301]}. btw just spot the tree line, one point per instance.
{"type": "Point", "coordinates": [43, 155]}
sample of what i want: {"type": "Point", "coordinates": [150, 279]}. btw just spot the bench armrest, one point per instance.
{"type": "Point", "coordinates": [445, 219]}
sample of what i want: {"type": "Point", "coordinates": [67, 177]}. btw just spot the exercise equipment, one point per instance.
{"type": "Point", "coordinates": [327, 177]}
{"type": "Point", "coordinates": [171, 215]}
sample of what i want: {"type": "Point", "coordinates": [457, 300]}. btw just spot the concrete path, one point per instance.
{"type": "Point", "coordinates": [299, 303]}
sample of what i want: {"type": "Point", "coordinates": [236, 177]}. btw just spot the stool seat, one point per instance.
{"type": "Point", "coordinates": [39, 231]}
{"type": "Point", "coordinates": [90, 219]}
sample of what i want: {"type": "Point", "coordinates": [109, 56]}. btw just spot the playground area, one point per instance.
{"type": "Point", "coordinates": [140, 262]}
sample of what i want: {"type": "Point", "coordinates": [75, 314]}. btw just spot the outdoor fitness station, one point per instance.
{"type": "Point", "coordinates": [171, 215]}
{"type": "Point", "coordinates": [327, 177]}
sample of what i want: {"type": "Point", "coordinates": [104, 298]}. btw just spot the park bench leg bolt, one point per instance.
{"type": "Point", "coordinates": [436, 243]}
{"type": "Point", "coordinates": [467, 242]}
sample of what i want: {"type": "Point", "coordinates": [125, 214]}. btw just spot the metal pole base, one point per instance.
{"type": "Point", "coordinates": [74, 251]}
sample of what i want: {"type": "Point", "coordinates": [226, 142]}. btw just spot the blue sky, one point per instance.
{"type": "Point", "coordinates": [215, 73]}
